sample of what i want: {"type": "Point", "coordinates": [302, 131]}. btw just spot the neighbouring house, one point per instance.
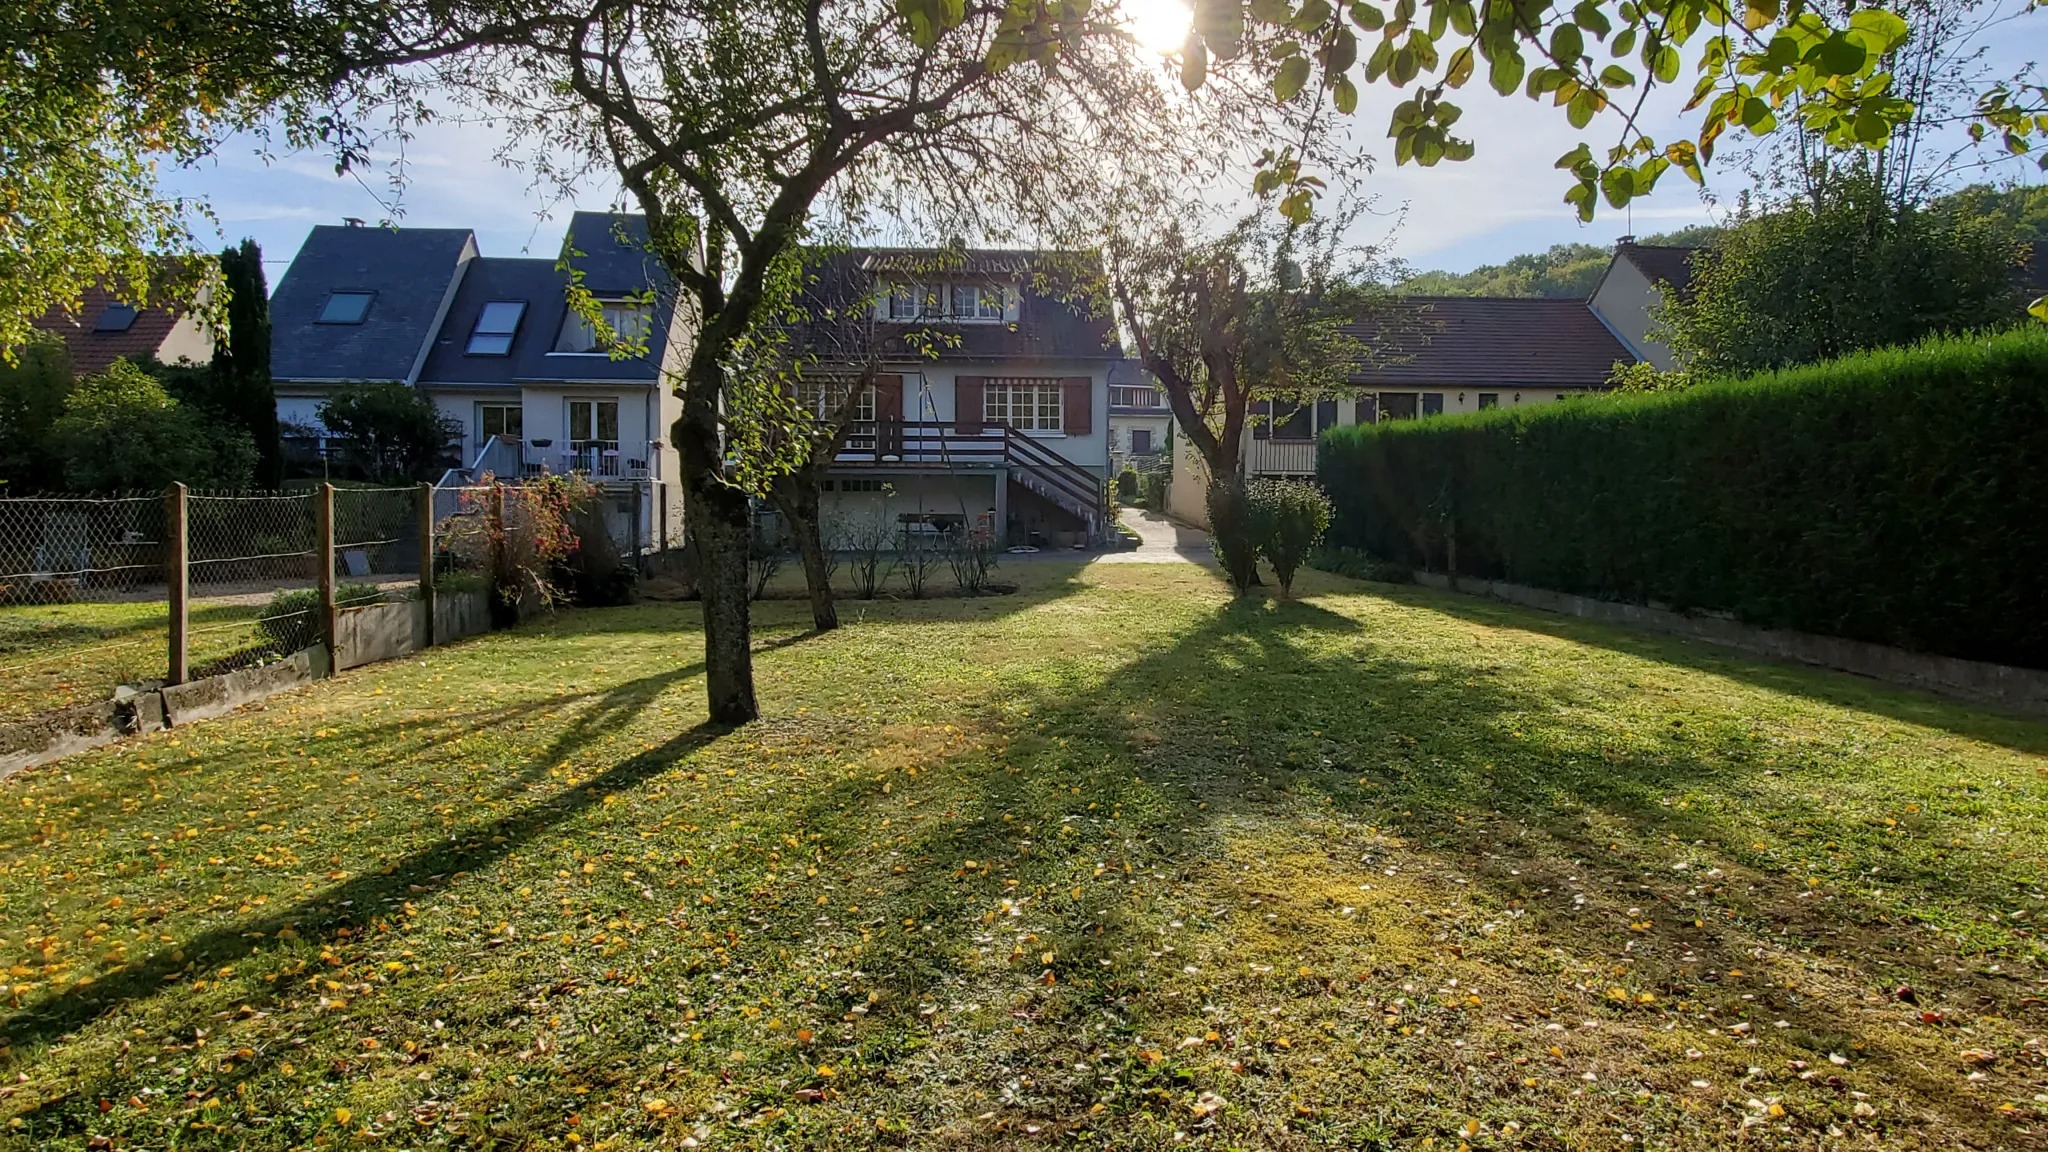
{"type": "Point", "coordinates": [1632, 289]}
{"type": "Point", "coordinates": [1431, 355]}
{"type": "Point", "coordinates": [105, 328]}
{"type": "Point", "coordinates": [493, 343]}
{"type": "Point", "coordinates": [1140, 423]}
{"type": "Point", "coordinates": [990, 401]}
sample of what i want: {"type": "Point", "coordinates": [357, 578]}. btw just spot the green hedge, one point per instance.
{"type": "Point", "coordinates": [1899, 497]}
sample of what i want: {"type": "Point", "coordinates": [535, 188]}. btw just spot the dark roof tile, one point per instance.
{"type": "Point", "coordinates": [409, 271]}
{"type": "Point", "coordinates": [1477, 341]}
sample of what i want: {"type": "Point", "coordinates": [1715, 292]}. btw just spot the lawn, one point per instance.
{"type": "Point", "coordinates": [57, 655]}
{"type": "Point", "coordinates": [1106, 863]}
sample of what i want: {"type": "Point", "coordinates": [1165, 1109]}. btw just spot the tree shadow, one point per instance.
{"type": "Point", "coordinates": [1972, 720]}
{"type": "Point", "coordinates": [352, 904]}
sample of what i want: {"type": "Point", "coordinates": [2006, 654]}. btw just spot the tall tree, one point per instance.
{"type": "Point", "coordinates": [241, 362]}
{"type": "Point", "coordinates": [1259, 316]}
{"type": "Point", "coordinates": [32, 394]}
{"type": "Point", "coordinates": [1806, 281]}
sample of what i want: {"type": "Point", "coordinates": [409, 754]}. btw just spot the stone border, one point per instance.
{"type": "Point", "coordinates": [366, 635]}
{"type": "Point", "coordinates": [2021, 690]}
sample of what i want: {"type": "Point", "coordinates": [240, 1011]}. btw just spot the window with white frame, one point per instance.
{"type": "Point", "coordinates": [1125, 396]}
{"type": "Point", "coordinates": [1026, 404]}
{"type": "Point", "coordinates": [941, 300]}
{"type": "Point", "coordinates": [821, 396]}
{"type": "Point", "coordinates": [626, 318]}
{"type": "Point", "coordinates": [507, 420]}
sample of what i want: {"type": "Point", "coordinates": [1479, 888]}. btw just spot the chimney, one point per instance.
{"type": "Point", "coordinates": [352, 221]}
{"type": "Point", "coordinates": [1624, 241]}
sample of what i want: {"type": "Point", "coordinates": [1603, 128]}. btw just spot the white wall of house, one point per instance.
{"type": "Point", "coordinates": [546, 415]}
{"type": "Point", "coordinates": [188, 341]}
{"type": "Point", "coordinates": [1187, 494]}
{"type": "Point", "coordinates": [860, 497]}
{"type": "Point", "coordinates": [1624, 301]}
{"type": "Point", "coordinates": [1121, 427]}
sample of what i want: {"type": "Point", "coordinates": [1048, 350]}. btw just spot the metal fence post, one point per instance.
{"type": "Point", "coordinates": [177, 578]}
{"type": "Point", "coordinates": [327, 614]}
{"type": "Point", "coordinates": [426, 518]}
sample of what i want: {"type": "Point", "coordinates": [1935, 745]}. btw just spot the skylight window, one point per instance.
{"type": "Point", "coordinates": [345, 307]}
{"type": "Point", "coordinates": [495, 327]}
{"type": "Point", "coordinates": [115, 317]}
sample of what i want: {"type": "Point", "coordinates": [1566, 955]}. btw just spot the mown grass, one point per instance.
{"type": "Point", "coordinates": [1106, 863]}
{"type": "Point", "coordinates": [55, 656]}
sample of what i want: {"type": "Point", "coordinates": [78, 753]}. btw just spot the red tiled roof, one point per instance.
{"type": "Point", "coordinates": [1483, 341]}
{"type": "Point", "coordinates": [92, 351]}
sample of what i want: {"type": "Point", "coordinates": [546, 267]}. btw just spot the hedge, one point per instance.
{"type": "Point", "coordinates": [1898, 497]}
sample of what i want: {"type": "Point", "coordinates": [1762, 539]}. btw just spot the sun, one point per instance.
{"type": "Point", "coordinates": [1161, 25]}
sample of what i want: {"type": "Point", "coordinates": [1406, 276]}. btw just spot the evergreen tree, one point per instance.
{"type": "Point", "coordinates": [241, 363]}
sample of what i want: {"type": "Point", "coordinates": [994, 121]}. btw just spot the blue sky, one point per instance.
{"type": "Point", "coordinates": [1504, 201]}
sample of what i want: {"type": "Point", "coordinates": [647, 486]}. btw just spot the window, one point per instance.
{"type": "Point", "coordinates": [1489, 399]}
{"type": "Point", "coordinates": [977, 302]}
{"type": "Point", "coordinates": [594, 420]}
{"type": "Point", "coordinates": [1026, 405]}
{"type": "Point", "coordinates": [626, 318]}
{"type": "Point", "coordinates": [1432, 403]}
{"type": "Point", "coordinates": [1397, 405]}
{"type": "Point", "coordinates": [1368, 410]}
{"type": "Point", "coordinates": [1291, 424]}
{"type": "Point", "coordinates": [507, 420]}
{"type": "Point", "coordinates": [821, 396]}
{"type": "Point", "coordinates": [1125, 397]}
{"type": "Point", "coordinates": [903, 301]}
{"type": "Point", "coordinates": [1141, 441]}
{"type": "Point", "coordinates": [345, 308]}
{"type": "Point", "coordinates": [115, 318]}
{"type": "Point", "coordinates": [861, 484]}
{"type": "Point", "coordinates": [495, 327]}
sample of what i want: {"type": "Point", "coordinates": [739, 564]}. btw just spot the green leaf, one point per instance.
{"type": "Point", "coordinates": [1592, 19]}
{"type": "Point", "coordinates": [1366, 16]}
{"type": "Point", "coordinates": [1615, 76]}
{"type": "Point", "coordinates": [1618, 184]}
{"type": "Point", "coordinates": [1312, 15]}
{"type": "Point", "coordinates": [1272, 12]}
{"type": "Point", "coordinates": [1194, 63]}
{"type": "Point", "coordinates": [1463, 22]}
{"type": "Point", "coordinates": [1664, 65]}
{"type": "Point", "coordinates": [1298, 206]}
{"type": "Point", "coordinates": [1341, 53]}
{"type": "Point", "coordinates": [2039, 308]}
{"type": "Point", "coordinates": [1505, 70]}
{"type": "Point", "coordinates": [1887, 28]}
{"type": "Point", "coordinates": [1581, 196]}
{"type": "Point", "coordinates": [1840, 56]}
{"type": "Point", "coordinates": [1759, 13]}
{"type": "Point", "coordinates": [1460, 69]}
{"type": "Point", "coordinates": [1344, 95]}
{"type": "Point", "coordinates": [1382, 58]}
{"type": "Point", "coordinates": [1221, 23]}
{"type": "Point", "coordinates": [1566, 44]}
{"type": "Point", "coordinates": [1404, 68]}
{"type": "Point", "coordinates": [1757, 116]}
{"type": "Point", "coordinates": [1293, 75]}
{"type": "Point", "coordinates": [1572, 159]}
{"type": "Point", "coordinates": [1624, 43]}
{"type": "Point", "coordinates": [1579, 109]}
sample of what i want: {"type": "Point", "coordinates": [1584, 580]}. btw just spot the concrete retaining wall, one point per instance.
{"type": "Point", "coordinates": [363, 635]}
{"type": "Point", "coordinates": [2023, 690]}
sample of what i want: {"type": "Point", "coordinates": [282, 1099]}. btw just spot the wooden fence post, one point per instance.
{"type": "Point", "coordinates": [426, 514]}
{"type": "Point", "coordinates": [177, 577]}
{"type": "Point", "coordinates": [327, 611]}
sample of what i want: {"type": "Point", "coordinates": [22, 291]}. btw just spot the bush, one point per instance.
{"type": "Point", "coordinates": [1230, 532]}
{"type": "Point", "coordinates": [1153, 496]}
{"type": "Point", "coordinates": [1892, 497]}
{"type": "Point", "coordinates": [291, 620]}
{"type": "Point", "coordinates": [1287, 519]}
{"type": "Point", "coordinates": [1127, 485]}
{"type": "Point", "coordinates": [1358, 565]}
{"type": "Point", "coordinates": [122, 430]}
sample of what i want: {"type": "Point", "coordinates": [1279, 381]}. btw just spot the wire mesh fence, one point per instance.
{"type": "Point", "coordinates": [90, 597]}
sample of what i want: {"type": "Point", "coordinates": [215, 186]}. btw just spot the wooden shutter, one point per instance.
{"type": "Point", "coordinates": [1258, 413]}
{"type": "Point", "coordinates": [888, 415]}
{"type": "Point", "coordinates": [888, 397]}
{"type": "Point", "coordinates": [1077, 406]}
{"type": "Point", "coordinates": [967, 404]}
{"type": "Point", "coordinates": [1326, 414]}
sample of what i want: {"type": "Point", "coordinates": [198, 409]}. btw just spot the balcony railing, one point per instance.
{"type": "Point", "coordinates": [1280, 458]}
{"type": "Point", "coordinates": [509, 458]}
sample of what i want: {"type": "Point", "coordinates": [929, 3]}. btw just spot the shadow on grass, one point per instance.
{"type": "Point", "coordinates": [353, 903]}
{"type": "Point", "coordinates": [1842, 689]}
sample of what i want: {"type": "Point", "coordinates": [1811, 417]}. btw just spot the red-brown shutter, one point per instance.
{"type": "Point", "coordinates": [1077, 414]}
{"type": "Point", "coordinates": [967, 404]}
{"type": "Point", "coordinates": [889, 415]}
{"type": "Point", "coordinates": [888, 397]}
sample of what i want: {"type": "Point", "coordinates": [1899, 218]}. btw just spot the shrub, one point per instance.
{"type": "Point", "coordinates": [1287, 519]}
{"type": "Point", "coordinates": [1360, 565]}
{"type": "Point", "coordinates": [1891, 497]}
{"type": "Point", "coordinates": [291, 620]}
{"type": "Point", "coordinates": [1127, 485]}
{"type": "Point", "coordinates": [768, 544]}
{"type": "Point", "coordinates": [972, 553]}
{"type": "Point", "coordinates": [867, 543]}
{"type": "Point", "coordinates": [1230, 532]}
{"type": "Point", "coordinates": [1153, 496]}
{"type": "Point", "coordinates": [122, 430]}
{"type": "Point", "coordinates": [918, 554]}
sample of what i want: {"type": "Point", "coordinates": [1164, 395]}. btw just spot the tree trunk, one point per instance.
{"type": "Point", "coordinates": [718, 524]}
{"type": "Point", "coordinates": [796, 497]}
